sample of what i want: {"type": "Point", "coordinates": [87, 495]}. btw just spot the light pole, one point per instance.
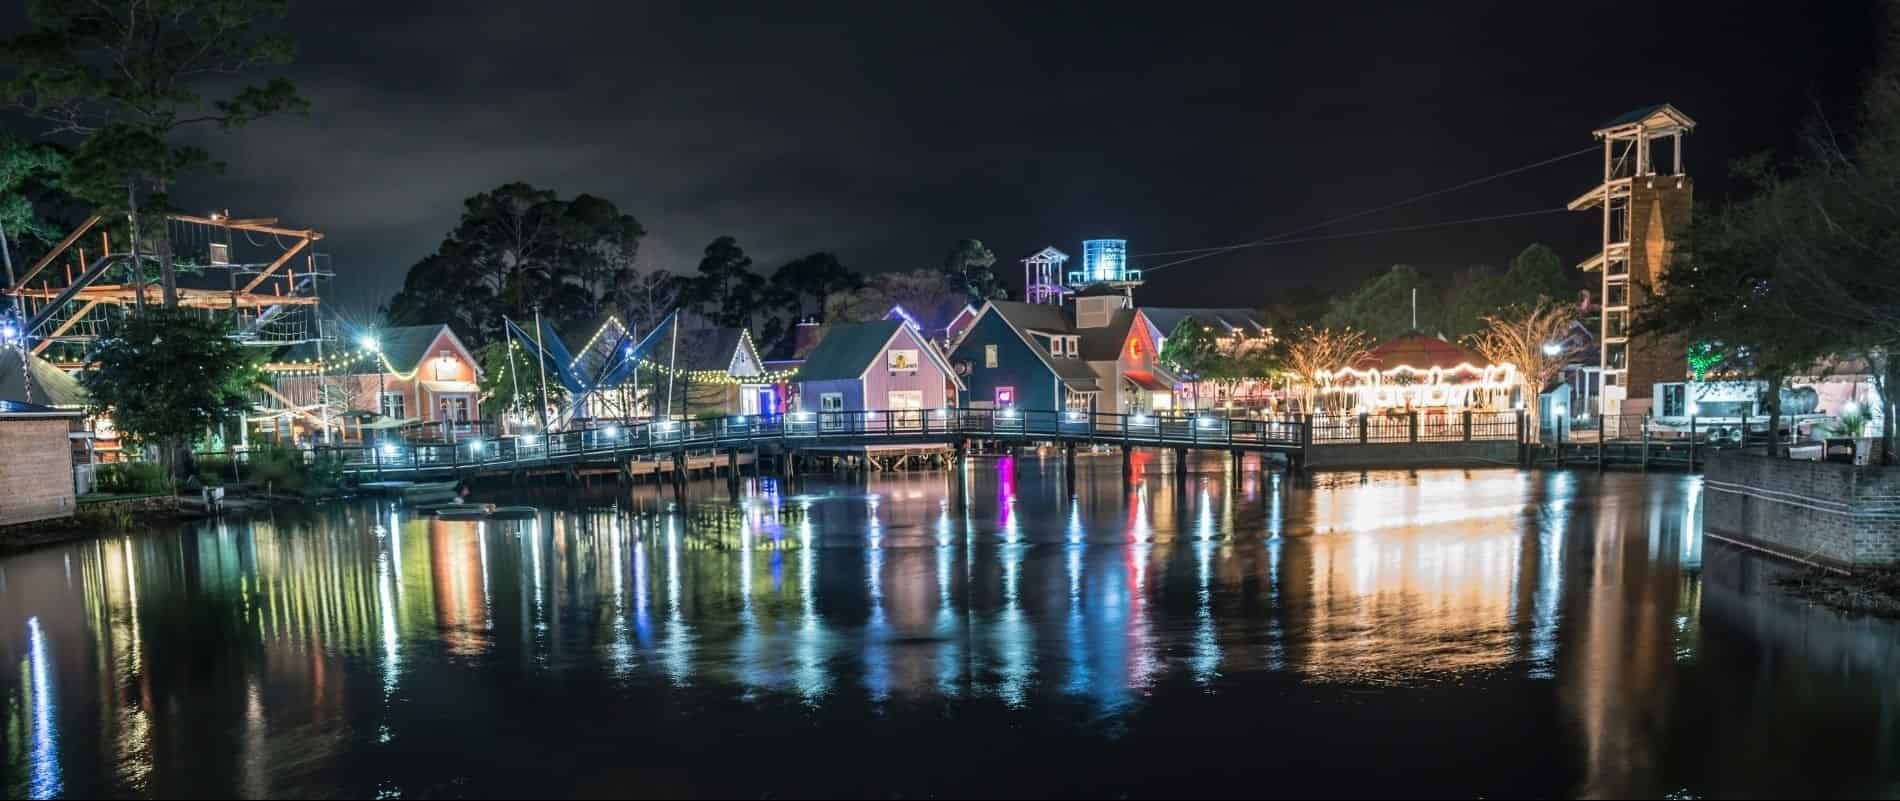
{"type": "Point", "coordinates": [369, 342]}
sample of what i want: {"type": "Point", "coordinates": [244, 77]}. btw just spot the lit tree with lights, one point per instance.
{"type": "Point", "coordinates": [1315, 351]}
{"type": "Point", "coordinates": [1535, 340]}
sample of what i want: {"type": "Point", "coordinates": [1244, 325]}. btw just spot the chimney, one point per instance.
{"type": "Point", "coordinates": [805, 337]}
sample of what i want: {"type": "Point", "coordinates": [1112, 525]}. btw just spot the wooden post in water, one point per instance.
{"type": "Point", "coordinates": [1645, 458]}
{"type": "Point", "coordinates": [1692, 443]}
{"type": "Point", "coordinates": [1128, 466]}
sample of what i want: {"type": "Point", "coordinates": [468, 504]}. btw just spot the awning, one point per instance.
{"type": "Point", "coordinates": [1147, 382]}
{"type": "Point", "coordinates": [450, 387]}
{"type": "Point", "coordinates": [1081, 385]}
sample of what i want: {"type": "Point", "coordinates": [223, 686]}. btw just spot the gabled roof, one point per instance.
{"type": "Point", "coordinates": [1660, 115]}
{"type": "Point", "coordinates": [850, 349]}
{"type": "Point", "coordinates": [1224, 321]}
{"type": "Point", "coordinates": [714, 349]}
{"type": "Point", "coordinates": [39, 383]}
{"type": "Point", "coordinates": [1104, 343]}
{"type": "Point", "coordinates": [847, 349]}
{"type": "Point", "coordinates": [404, 346]}
{"type": "Point", "coordinates": [1026, 317]}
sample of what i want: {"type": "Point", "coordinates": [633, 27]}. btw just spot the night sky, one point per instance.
{"type": "Point", "coordinates": [885, 131]}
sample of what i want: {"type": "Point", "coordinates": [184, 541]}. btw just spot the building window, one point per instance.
{"type": "Point", "coordinates": [989, 355]}
{"type": "Point", "coordinates": [904, 359]}
{"type": "Point", "coordinates": [831, 402]}
{"type": "Point", "coordinates": [1005, 397]}
{"type": "Point", "coordinates": [1074, 345]}
{"type": "Point", "coordinates": [392, 405]}
{"type": "Point", "coordinates": [444, 366]}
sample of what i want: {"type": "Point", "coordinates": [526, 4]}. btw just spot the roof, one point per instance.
{"type": "Point", "coordinates": [1246, 321]}
{"type": "Point", "coordinates": [40, 383]}
{"type": "Point", "coordinates": [847, 349]}
{"type": "Point", "coordinates": [16, 409]}
{"type": "Point", "coordinates": [712, 349]}
{"type": "Point", "coordinates": [1104, 343]}
{"type": "Point", "coordinates": [1099, 290]}
{"type": "Point", "coordinates": [405, 346]}
{"type": "Point", "coordinates": [1026, 317]}
{"type": "Point", "coordinates": [1419, 352]}
{"type": "Point", "coordinates": [1640, 116]}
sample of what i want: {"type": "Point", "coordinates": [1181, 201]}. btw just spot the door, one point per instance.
{"type": "Point", "coordinates": [768, 402]}
{"type": "Point", "coordinates": [906, 408]}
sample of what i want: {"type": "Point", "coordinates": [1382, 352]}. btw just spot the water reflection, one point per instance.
{"type": "Point", "coordinates": [1556, 617]}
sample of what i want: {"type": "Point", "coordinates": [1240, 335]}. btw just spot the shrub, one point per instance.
{"type": "Point", "coordinates": [143, 478]}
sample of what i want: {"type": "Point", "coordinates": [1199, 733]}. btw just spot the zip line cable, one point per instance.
{"type": "Point", "coordinates": [1374, 232]}
{"type": "Point", "coordinates": [1281, 238]}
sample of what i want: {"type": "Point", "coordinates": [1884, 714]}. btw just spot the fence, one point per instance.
{"type": "Point", "coordinates": [1413, 426]}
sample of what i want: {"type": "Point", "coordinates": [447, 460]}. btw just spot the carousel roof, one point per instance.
{"type": "Point", "coordinates": [1419, 352]}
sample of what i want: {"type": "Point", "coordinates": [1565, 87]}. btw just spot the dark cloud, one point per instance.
{"type": "Point", "coordinates": [885, 131]}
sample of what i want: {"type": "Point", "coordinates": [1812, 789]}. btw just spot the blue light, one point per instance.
{"type": "Point", "coordinates": [1105, 259]}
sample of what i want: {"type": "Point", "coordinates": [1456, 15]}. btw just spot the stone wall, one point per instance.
{"type": "Point", "coordinates": [1836, 514]}
{"type": "Point", "coordinates": [36, 469]}
{"type": "Point", "coordinates": [1410, 454]}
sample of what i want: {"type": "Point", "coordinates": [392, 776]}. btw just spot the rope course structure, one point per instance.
{"type": "Point", "coordinates": [76, 293]}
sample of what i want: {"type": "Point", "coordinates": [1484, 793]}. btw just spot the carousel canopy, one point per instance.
{"type": "Point", "coordinates": [1419, 352]}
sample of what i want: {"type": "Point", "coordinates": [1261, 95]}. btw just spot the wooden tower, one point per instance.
{"type": "Point", "coordinates": [1645, 201]}
{"type": "Point", "coordinates": [1042, 277]}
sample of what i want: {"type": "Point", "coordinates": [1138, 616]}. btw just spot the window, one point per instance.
{"type": "Point", "coordinates": [1074, 345]}
{"type": "Point", "coordinates": [906, 407]}
{"type": "Point", "coordinates": [901, 359]}
{"type": "Point", "coordinates": [1005, 396]}
{"type": "Point", "coordinates": [444, 366]}
{"type": "Point", "coordinates": [392, 405]}
{"type": "Point", "coordinates": [989, 355]}
{"type": "Point", "coordinates": [833, 417]}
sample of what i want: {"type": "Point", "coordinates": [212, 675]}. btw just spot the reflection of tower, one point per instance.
{"type": "Point", "coordinates": [1645, 210]}
{"type": "Point", "coordinates": [1105, 261]}
{"type": "Point", "coordinates": [1042, 274]}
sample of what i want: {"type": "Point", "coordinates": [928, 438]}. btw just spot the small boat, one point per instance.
{"type": "Point", "coordinates": [428, 489]}
{"type": "Point", "coordinates": [513, 513]}
{"type": "Point", "coordinates": [463, 511]}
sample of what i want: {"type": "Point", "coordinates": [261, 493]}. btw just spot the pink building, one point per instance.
{"type": "Point", "coordinates": [419, 379]}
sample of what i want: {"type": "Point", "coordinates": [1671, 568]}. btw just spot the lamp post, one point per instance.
{"type": "Point", "coordinates": [370, 343]}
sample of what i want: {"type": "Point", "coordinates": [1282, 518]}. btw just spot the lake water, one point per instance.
{"type": "Point", "coordinates": [1469, 633]}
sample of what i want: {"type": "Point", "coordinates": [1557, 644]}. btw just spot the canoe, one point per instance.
{"type": "Point", "coordinates": [429, 489]}
{"type": "Point", "coordinates": [463, 511]}
{"type": "Point", "coordinates": [513, 513]}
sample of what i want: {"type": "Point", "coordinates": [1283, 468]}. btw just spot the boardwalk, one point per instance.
{"type": "Point", "coordinates": [618, 443]}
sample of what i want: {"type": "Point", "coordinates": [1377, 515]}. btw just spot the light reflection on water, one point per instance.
{"type": "Point", "coordinates": [1553, 621]}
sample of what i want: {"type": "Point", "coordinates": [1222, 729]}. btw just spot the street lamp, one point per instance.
{"type": "Point", "coordinates": [369, 342]}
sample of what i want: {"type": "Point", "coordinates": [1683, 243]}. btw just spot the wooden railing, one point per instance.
{"type": "Point", "coordinates": [634, 437]}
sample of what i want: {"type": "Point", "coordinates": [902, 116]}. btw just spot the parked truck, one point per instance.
{"type": "Point", "coordinates": [1727, 411]}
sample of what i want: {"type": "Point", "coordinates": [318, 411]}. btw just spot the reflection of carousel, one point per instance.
{"type": "Point", "coordinates": [1424, 374]}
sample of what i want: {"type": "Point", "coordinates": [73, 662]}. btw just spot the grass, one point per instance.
{"type": "Point", "coordinates": [1874, 591]}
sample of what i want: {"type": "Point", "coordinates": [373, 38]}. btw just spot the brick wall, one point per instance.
{"type": "Point", "coordinates": [36, 471]}
{"type": "Point", "coordinates": [1817, 511]}
{"type": "Point", "coordinates": [1659, 217]}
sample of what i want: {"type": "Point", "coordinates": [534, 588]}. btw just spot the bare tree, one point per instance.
{"type": "Point", "coordinates": [1315, 351]}
{"type": "Point", "coordinates": [1536, 340]}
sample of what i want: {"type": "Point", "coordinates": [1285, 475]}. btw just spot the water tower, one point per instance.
{"type": "Point", "coordinates": [1105, 262]}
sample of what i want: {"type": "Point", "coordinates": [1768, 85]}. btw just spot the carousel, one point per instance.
{"type": "Point", "coordinates": [1419, 373]}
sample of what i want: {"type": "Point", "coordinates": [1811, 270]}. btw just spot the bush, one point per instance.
{"type": "Point", "coordinates": [139, 478]}
{"type": "Point", "coordinates": [286, 469]}
{"type": "Point", "coordinates": [214, 469]}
